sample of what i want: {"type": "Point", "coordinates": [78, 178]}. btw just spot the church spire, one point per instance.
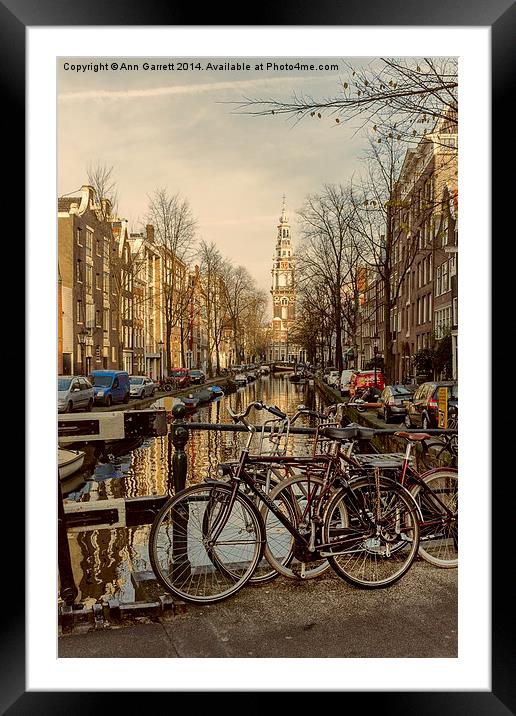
{"type": "Point", "coordinates": [283, 218]}
{"type": "Point", "coordinates": [283, 292]}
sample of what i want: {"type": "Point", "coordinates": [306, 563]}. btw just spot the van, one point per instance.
{"type": "Point", "coordinates": [345, 382]}
{"type": "Point", "coordinates": [111, 386]}
{"type": "Point", "coordinates": [363, 379]}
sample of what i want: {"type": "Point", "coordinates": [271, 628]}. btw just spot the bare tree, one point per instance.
{"type": "Point", "coordinates": [240, 293]}
{"type": "Point", "coordinates": [100, 177]}
{"type": "Point", "coordinates": [252, 323]}
{"type": "Point", "coordinates": [314, 325]}
{"type": "Point", "coordinates": [401, 99]}
{"type": "Point", "coordinates": [174, 227]}
{"type": "Point", "coordinates": [211, 285]}
{"type": "Point", "coordinates": [328, 254]}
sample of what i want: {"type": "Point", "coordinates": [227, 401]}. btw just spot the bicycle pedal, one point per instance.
{"type": "Point", "coordinates": [299, 569]}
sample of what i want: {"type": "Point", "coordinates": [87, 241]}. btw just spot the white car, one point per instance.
{"type": "Point", "coordinates": [345, 382]}
{"type": "Point", "coordinates": [73, 392]}
{"type": "Point", "coordinates": [141, 387]}
{"type": "Point", "coordinates": [333, 378]}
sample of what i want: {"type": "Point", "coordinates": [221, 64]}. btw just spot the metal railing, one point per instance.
{"type": "Point", "coordinates": [142, 510]}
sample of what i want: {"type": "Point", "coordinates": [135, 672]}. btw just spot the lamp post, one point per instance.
{"type": "Point", "coordinates": [160, 344]}
{"type": "Point", "coordinates": [375, 340]}
{"type": "Point", "coordinates": [81, 337]}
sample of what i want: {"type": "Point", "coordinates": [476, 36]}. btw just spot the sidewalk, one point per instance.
{"type": "Point", "coordinates": [324, 617]}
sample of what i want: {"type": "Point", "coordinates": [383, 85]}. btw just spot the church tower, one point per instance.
{"type": "Point", "coordinates": [283, 294]}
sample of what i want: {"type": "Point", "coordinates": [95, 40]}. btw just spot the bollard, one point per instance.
{"type": "Point", "coordinates": [180, 561]}
{"type": "Point", "coordinates": [179, 439]}
{"type": "Point", "coordinates": [68, 589]}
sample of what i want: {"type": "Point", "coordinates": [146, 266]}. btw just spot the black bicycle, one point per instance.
{"type": "Point", "coordinates": [207, 540]}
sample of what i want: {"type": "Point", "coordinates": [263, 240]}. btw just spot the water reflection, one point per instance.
{"type": "Point", "coordinates": [103, 560]}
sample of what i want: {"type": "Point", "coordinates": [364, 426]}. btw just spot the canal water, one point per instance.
{"type": "Point", "coordinates": [109, 563]}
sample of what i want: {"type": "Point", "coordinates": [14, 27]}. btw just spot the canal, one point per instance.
{"type": "Point", "coordinates": [105, 561]}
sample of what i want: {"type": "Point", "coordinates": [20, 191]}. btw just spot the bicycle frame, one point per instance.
{"type": "Point", "coordinates": [332, 474]}
{"type": "Point", "coordinates": [408, 478]}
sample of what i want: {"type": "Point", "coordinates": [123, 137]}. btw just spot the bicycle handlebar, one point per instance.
{"type": "Point", "coordinates": [259, 406]}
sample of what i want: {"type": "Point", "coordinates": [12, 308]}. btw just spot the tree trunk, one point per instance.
{"type": "Point", "coordinates": [388, 355]}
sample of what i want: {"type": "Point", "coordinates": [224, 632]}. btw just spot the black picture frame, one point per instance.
{"type": "Point", "coordinates": [15, 17]}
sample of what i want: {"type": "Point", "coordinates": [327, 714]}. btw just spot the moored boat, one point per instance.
{"type": "Point", "coordinates": [240, 379]}
{"type": "Point", "coordinates": [69, 461]}
{"type": "Point", "coordinates": [191, 401]}
{"type": "Point", "coordinates": [295, 377]}
{"type": "Point", "coordinates": [203, 395]}
{"type": "Point", "coordinates": [216, 390]}
{"type": "Point", "coordinates": [230, 386]}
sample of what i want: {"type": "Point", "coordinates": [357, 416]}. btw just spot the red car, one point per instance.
{"type": "Point", "coordinates": [363, 379]}
{"type": "Point", "coordinates": [181, 377]}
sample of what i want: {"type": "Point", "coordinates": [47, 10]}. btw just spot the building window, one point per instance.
{"type": "Point", "coordinates": [419, 275]}
{"type": "Point", "coordinates": [98, 281]}
{"type": "Point", "coordinates": [106, 320]}
{"type": "Point", "coordinates": [78, 273]}
{"type": "Point", "coordinates": [89, 278]}
{"type": "Point", "coordinates": [445, 283]}
{"type": "Point", "coordinates": [424, 309]}
{"type": "Point", "coordinates": [444, 230]}
{"type": "Point", "coordinates": [98, 324]}
{"type": "Point", "coordinates": [453, 266]}
{"type": "Point", "coordinates": [80, 313]}
{"type": "Point", "coordinates": [98, 247]}
{"type": "Point", "coordinates": [438, 281]}
{"type": "Point", "coordinates": [89, 243]}
{"type": "Point", "coordinates": [90, 315]}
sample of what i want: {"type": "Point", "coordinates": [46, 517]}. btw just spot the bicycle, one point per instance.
{"type": "Point", "coordinates": [208, 539]}
{"type": "Point", "coordinates": [269, 475]}
{"type": "Point", "coordinates": [435, 492]}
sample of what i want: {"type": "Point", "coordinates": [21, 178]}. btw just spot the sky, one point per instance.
{"type": "Point", "coordinates": [172, 129]}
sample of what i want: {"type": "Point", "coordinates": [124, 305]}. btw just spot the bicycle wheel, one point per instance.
{"type": "Point", "coordinates": [268, 479]}
{"type": "Point", "coordinates": [188, 561]}
{"type": "Point", "coordinates": [294, 496]}
{"type": "Point", "coordinates": [438, 503]}
{"type": "Point", "coordinates": [381, 538]}
{"type": "Point", "coordinates": [263, 572]}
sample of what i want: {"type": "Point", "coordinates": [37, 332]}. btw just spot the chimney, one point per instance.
{"type": "Point", "coordinates": [150, 232]}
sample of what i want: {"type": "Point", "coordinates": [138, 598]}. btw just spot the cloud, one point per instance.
{"type": "Point", "coordinates": [177, 89]}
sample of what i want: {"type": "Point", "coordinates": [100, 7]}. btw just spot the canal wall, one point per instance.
{"type": "Point", "coordinates": [387, 442]}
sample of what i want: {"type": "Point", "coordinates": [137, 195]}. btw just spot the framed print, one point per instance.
{"type": "Point", "coordinates": [62, 73]}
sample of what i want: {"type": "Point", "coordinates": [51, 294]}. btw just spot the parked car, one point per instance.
{"type": "Point", "coordinates": [326, 373]}
{"type": "Point", "coordinates": [345, 382]}
{"type": "Point", "coordinates": [181, 377]}
{"type": "Point", "coordinates": [333, 379]}
{"type": "Point", "coordinates": [422, 410]}
{"type": "Point", "coordinates": [73, 392]}
{"type": "Point", "coordinates": [362, 379]}
{"type": "Point", "coordinates": [141, 387]}
{"type": "Point", "coordinates": [197, 376]}
{"type": "Point", "coordinates": [393, 399]}
{"type": "Point", "coordinates": [111, 386]}
{"type": "Point", "coordinates": [368, 399]}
